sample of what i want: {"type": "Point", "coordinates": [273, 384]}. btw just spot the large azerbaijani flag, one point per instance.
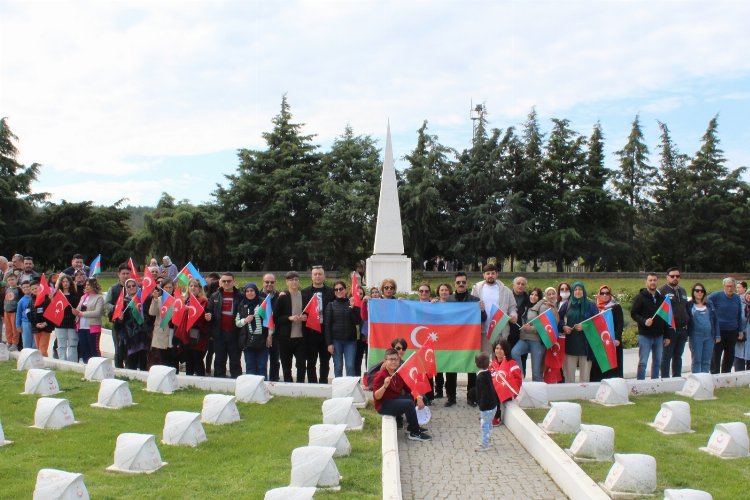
{"type": "Point", "coordinates": [453, 327]}
{"type": "Point", "coordinates": [598, 331]}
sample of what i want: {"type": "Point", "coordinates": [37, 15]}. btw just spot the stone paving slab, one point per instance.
{"type": "Point", "coordinates": [448, 467]}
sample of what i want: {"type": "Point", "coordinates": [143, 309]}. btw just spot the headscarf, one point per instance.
{"type": "Point", "coordinates": [252, 304]}
{"type": "Point", "coordinates": [169, 261]}
{"type": "Point", "coordinates": [605, 305]}
{"type": "Point", "coordinates": [577, 307]}
{"type": "Point", "coordinates": [125, 286]}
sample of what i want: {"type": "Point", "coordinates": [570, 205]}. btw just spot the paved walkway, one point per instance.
{"type": "Point", "coordinates": [448, 467]}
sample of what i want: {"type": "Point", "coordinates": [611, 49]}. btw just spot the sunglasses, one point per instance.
{"type": "Point", "coordinates": [673, 276]}
{"type": "Point", "coordinates": [339, 289]}
{"type": "Point", "coordinates": [269, 282]}
{"type": "Point", "coordinates": [399, 348]}
{"type": "Point", "coordinates": [227, 281]}
{"type": "Point", "coordinates": [389, 287]}
{"type": "Point", "coordinates": [460, 282]}
{"type": "Point", "coordinates": [698, 290]}
{"type": "Point", "coordinates": [424, 291]}
{"type": "Point", "coordinates": [604, 293]}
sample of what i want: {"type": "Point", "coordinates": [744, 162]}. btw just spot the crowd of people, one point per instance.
{"type": "Point", "coordinates": [715, 326]}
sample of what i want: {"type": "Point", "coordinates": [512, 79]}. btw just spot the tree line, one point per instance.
{"type": "Point", "coordinates": [512, 193]}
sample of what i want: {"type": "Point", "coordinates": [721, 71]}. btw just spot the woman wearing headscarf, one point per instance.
{"type": "Point", "coordinates": [577, 349]}
{"type": "Point", "coordinates": [605, 300]}
{"type": "Point", "coordinates": [253, 336]}
{"type": "Point", "coordinates": [135, 339]}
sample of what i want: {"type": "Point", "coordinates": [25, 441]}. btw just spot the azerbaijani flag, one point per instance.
{"type": "Point", "coordinates": [598, 331]}
{"type": "Point", "coordinates": [665, 312]}
{"type": "Point", "coordinates": [498, 320]}
{"type": "Point", "coordinates": [136, 309]}
{"type": "Point", "coordinates": [167, 308]}
{"type": "Point", "coordinates": [190, 272]}
{"type": "Point", "coordinates": [453, 327]}
{"type": "Point", "coordinates": [546, 326]}
{"type": "Point", "coordinates": [265, 311]}
{"type": "Point", "coordinates": [96, 266]}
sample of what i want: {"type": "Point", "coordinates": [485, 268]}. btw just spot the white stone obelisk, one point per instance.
{"type": "Point", "coordinates": [388, 259]}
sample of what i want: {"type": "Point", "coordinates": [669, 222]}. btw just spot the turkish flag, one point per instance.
{"type": "Point", "coordinates": [179, 309]}
{"type": "Point", "coordinates": [43, 291]}
{"type": "Point", "coordinates": [134, 271]}
{"type": "Point", "coordinates": [194, 311]}
{"type": "Point", "coordinates": [56, 308]}
{"type": "Point", "coordinates": [426, 355]}
{"type": "Point", "coordinates": [414, 372]}
{"type": "Point", "coordinates": [119, 305]}
{"type": "Point", "coordinates": [554, 358]}
{"type": "Point", "coordinates": [148, 283]}
{"type": "Point", "coordinates": [312, 309]}
{"type": "Point", "coordinates": [355, 290]}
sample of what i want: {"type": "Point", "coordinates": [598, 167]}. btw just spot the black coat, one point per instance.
{"type": "Point", "coordinates": [341, 321]}
{"type": "Point", "coordinates": [214, 307]}
{"type": "Point", "coordinates": [644, 307]}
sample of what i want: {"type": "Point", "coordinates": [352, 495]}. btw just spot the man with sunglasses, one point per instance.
{"type": "Point", "coordinates": [315, 342]}
{"type": "Point", "coordinates": [220, 313]}
{"type": "Point", "coordinates": [269, 289]}
{"type": "Point", "coordinates": [672, 354]}
{"type": "Point", "coordinates": [461, 294]}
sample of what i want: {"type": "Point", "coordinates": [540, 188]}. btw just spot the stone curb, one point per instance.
{"type": "Point", "coordinates": [391, 473]}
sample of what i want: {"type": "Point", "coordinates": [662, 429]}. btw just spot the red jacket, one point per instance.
{"type": "Point", "coordinates": [513, 376]}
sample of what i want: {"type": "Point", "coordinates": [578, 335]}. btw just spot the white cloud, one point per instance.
{"type": "Point", "coordinates": [97, 86]}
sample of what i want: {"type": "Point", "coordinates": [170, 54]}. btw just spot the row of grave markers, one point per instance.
{"type": "Point", "coordinates": [635, 474]}
{"type": "Point", "coordinates": [312, 466]}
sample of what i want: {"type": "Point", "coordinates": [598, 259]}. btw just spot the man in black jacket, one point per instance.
{"type": "Point", "coordinates": [672, 354]}
{"type": "Point", "coordinates": [651, 330]}
{"type": "Point", "coordinates": [118, 328]}
{"type": "Point", "coordinates": [315, 342]}
{"type": "Point", "coordinates": [269, 289]}
{"type": "Point", "coordinates": [220, 313]}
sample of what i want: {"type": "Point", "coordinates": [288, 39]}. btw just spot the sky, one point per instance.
{"type": "Point", "coordinates": [129, 99]}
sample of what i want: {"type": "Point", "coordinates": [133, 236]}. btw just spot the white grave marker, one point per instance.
{"type": "Point", "coordinates": [52, 484]}
{"type": "Point", "coordinates": [99, 369]}
{"type": "Point", "coordinates": [162, 379]}
{"type": "Point", "coordinates": [699, 386]}
{"type": "Point", "coordinates": [53, 413]}
{"type": "Point", "coordinates": [183, 428]}
{"type": "Point", "coordinates": [136, 454]}
{"type": "Point", "coordinates": [219, 409]}
{"type": "Point", "coordinates": [728, 440]}
{"type": "Point", "coordinates": [533, 395]}
{"type": "Point", "coordinates": [42, 382]}
{"type": "Point", "coordinates": [562, 417]}
{"type": "Point", "coordinates": [4, 354]}
{"type": "Point", "coordinates": [593, 443]}
{"type": "Point", "coordinates": [290, 493]}
{"type": "Point", "coordinates": [631, 473]}
{"type": "Point", "coordinates": [345, 387]}
{"type": "Point", "coordinates": [314, 466]}
{"type": "Point", "coordinates": [673, 418]}
{"type": "Point", "coordinates": [331, 435]}
{"type": "Point", "coordinates": [251, 389]}
{"type": "Point", "coordinates": [29, 358]}
{"type": "Point", "coordinates": [342, 411]}
{"type": "Point", "coordinates": [113, 394]}
{"type": "Point", "coordinates": [3, 441]}
{"type": "Point", "coordinates": [612, 392]}
{"type": "Point", "coordinates": [686, 494]}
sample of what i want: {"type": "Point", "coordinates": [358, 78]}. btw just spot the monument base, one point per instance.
{"type": "Point", "coordinates": [383, 266]}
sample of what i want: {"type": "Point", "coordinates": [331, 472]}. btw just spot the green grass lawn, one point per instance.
{"type": "Point", "coordinates": [240, 460]}
{"type": "Point", "coordinates": [679, 463]}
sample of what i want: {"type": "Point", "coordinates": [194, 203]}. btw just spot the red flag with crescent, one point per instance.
{"type": "Point", "coordinates": [178, 309]}
{"type": "Point", "coordinates": [134, 271]}
{"type": "Point", "coordinates": [426, 355]}
{"type": "Point", "coordinates": [149, 285]}
{"type": "Point", "coordinates": [119, 305]}
{"type": "Point", "coordinates": [56, 308]}
{"type": "Point", "coordinates": [554, 359]}
{"type": "Point", "coordinates": [42, 293]}
{"type": "Point", "coordinates": [194, 311]}
{"type": "Point", "coordinates": [312, 309]}
{"type": "Point", "coordinates": [414, 373]}
{"type": "Point", "coordinates": [355, 290]}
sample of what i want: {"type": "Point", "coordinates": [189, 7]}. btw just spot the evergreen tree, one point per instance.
{"type": "Point", "coordinates": [16, 198]}
{"type": "Point", "coordinates": [597, 212]}
{"type": "Point", "coordinates": [532, 183]}
{"type": "Point", "coordinates": [633, 183]}
{"type": "Point", "coordinates": [562, 169]}
{"type": "Point", "coordinates": [346, 230]}
{"type": "Point", "coordinates": [273, 204]}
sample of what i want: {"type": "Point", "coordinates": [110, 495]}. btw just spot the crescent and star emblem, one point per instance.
{"type": "Point", "coordinates": [59, 308]}
{"type": "Point", "coordinates": [191, 310]}
{"type": "Point", "coordinates": [606, 338]}
{"type": "Point", "coordinates": [413, 336]}
{"type": "Point", "coordinates": [549, 330]}
{"type": "Point", "coordinates": [427, 355]}
{"type": "Point", "coordinates": [413, 373]}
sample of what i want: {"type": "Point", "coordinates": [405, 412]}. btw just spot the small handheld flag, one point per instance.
{"type": "Point", "coordinates": [167, 307]}
{"type": "Point", "coordinates": [546, 326]}
{"type": "Point", "coordinates": [355, 290]}
{"type": "Point", "coordinates": [148, 282]}
{"type": "Point", "coordinates": [119, 306]}
{"type": "Point", "coordinates": [312, 309]}
{"type": "Point", "coordinates": [498, 320]}
{"type": "Point", "coordinates": [136, 309]}
{"type": "Point", "coordinates": [43, 291]}
{"type": "Point", "coordinates": [56, 308]}
{"type": "Point", "coordinates": [96, 266]}
{"type": "Point", "coordinates": [190, 272]}
{"type": "Point", "coordinates": [134, 271]}
{"type": "Point", "coordinates": [194, 311]}
{"type": "Point", "coordinates": [265, 311]}
{"type": "Point", "coordinates": [665, 312]}
{"type": "Point", "coordinates": [598, 331]}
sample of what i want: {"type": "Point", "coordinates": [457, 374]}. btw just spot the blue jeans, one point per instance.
{"type": "Point", "coordinates": [27, 335]}
{"type": "Point", "coordinates": [486, 417]}
{"type": "Point", "coordinates": [344, 351]}
{"type": "Point", "coordinates": [256, 361]}
{"type": "Point", "coordinates": [67, 344]}
{"type": "Point", "coordinates": [701, 348]}
{"type": "Point", "coordinates": [672, 354]}
{"type": "Point", "coordinates": [537, 350]}
{"type": "Point", "coordinates": [646, 346]}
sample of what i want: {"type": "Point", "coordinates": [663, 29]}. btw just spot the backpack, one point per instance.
{"type": "Point", "coordinates": [368, 377]}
